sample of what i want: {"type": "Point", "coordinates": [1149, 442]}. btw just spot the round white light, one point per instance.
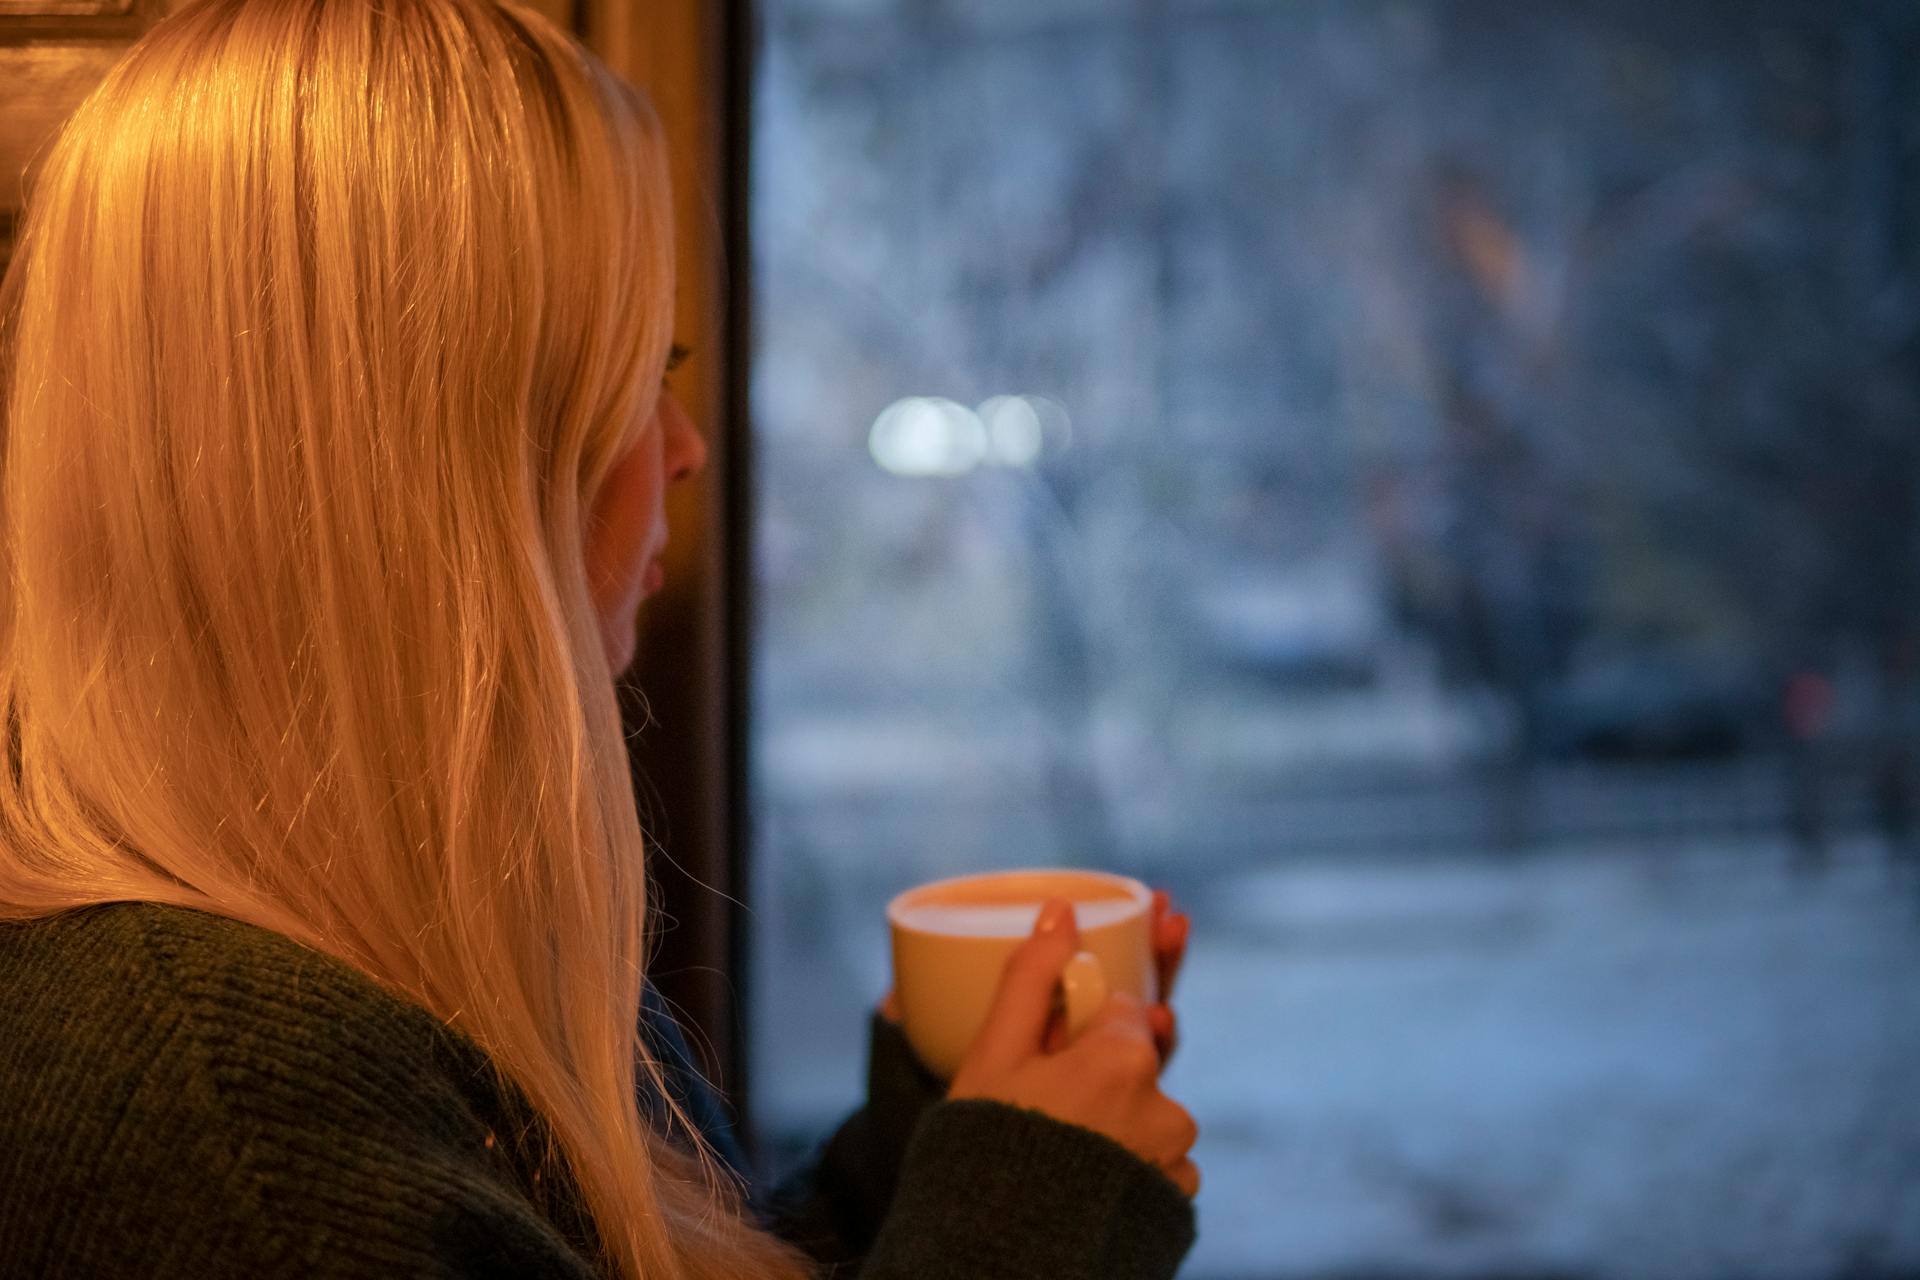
{"type": "Point", "coordinates": [1013, 430]}
{"type": "Point", "coordinates": [927, 436]}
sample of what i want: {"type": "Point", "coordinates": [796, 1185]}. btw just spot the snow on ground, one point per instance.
{"type": "Point", "coordinates": [1677, 1064]}
{"type": "Point", "coordinates": [1649, 1063]}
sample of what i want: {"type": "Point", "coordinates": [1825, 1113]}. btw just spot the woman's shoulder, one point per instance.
{"type": "Point", "coordinates": [187, 1082]}
{"type": "Point", "coordinates": [174, 980]}
{"type": "Point", "coordinates": [110, 942]}
{"type": "Point", "coordinates": [259, 1026]}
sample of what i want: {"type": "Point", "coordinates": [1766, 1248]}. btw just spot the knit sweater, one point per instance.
{"type": "Point", "coordinates": [183, 1095]}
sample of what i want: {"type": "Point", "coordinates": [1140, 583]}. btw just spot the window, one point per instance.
{"type": "Point", "coordinates": [1434, 484]}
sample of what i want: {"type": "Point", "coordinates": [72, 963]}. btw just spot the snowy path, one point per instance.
{"type": "Point", "coordinates": [1650, 1064]}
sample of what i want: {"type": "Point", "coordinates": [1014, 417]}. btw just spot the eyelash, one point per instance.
{"type": "Point", "coordinates": [677, 356]}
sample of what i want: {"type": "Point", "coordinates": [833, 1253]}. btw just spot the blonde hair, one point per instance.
{"type": "Point", "coordinates": [327, 320]}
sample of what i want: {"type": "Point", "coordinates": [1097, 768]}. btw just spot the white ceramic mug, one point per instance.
{"type": "Point", "coordinates": [951, 940]}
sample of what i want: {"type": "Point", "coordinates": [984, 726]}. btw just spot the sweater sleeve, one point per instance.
{"type": "Point", "coordinates": [913, 1185]}
{"type": "Point", "coordinates": [832, 1207]}
{"type": "Point", "coordinates": [997, 1192]}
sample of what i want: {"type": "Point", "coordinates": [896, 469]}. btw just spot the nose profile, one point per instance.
{"type": "Point", "coordinates": [686, 448]}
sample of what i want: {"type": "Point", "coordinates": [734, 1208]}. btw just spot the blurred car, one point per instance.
{"type": "Point", "coordinates": [1654, 704]}
{"type": "Point", "coordinates": [1316, 625]}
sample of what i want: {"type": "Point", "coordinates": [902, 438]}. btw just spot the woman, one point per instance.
{"type": "Point", "coordinates": [335, 444]}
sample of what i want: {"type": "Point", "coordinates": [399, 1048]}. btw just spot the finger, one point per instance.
{"type": "Point", "coordinates": [1016, 1024]}
{"type": "Point", "coordinates": [1123, 1017]}
{"type": "Point", "coordinates": [1161, 916]}
{"type": "Point", "coordinates": [1186, 1176]}
{"type": "Point", "coordinates": [1175, 1132]}
{"type": "Point", "coordinates": [890, 1005]}
{"type": "Point", "coordinates": [1056, 1037]}
{"type": "Point", "coordinates": [1166, 1033]}
{"type": "Point", "coordinates": [1117, 1046]}
{"type": "Point", "coordinates": [1170, 949]}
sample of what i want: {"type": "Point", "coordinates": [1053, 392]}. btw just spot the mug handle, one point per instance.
{"type": "Point", "coordinates": [1081, 991]}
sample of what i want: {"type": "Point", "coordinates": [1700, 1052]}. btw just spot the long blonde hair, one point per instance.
{"type": "Point", "coordinates": [327, 320]}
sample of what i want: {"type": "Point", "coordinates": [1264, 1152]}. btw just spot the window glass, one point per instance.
{"type": "Point", "coordinates": [1435, 485]}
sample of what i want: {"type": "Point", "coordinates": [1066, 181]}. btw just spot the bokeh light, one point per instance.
{"type": "Point", "coordinates": [927, 436]}
{"type": "Point", "coordinates": [934, 436]}
{"type": "Point", "coordinates": [1013, 430]}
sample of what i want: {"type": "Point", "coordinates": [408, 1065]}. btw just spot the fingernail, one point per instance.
{"type": "Point", "coordinates": [1054, 916]}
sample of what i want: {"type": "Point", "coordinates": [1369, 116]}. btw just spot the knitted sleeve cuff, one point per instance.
{"type": "Point", "coordinates": [833, 1206]}
{"type": "Point", "coordinates": [999, 1192]}
{"type": "Point", "coordinates": [899, 1090]}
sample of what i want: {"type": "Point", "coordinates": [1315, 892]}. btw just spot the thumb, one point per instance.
{"type": "Point", "coordinates": [1023, 1002]}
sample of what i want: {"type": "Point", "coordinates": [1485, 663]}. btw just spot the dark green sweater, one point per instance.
{"type": "Point", "coordinates": [182, 1095]}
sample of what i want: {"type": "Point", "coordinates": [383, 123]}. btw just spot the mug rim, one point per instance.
{"type": "Point", "coordinates": [1136, 890]}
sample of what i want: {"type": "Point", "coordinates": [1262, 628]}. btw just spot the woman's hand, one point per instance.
{"type": "Point", "coordinates": [1170, 930]}
{"type": "Point", "coordinates": [1106, 1079]}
